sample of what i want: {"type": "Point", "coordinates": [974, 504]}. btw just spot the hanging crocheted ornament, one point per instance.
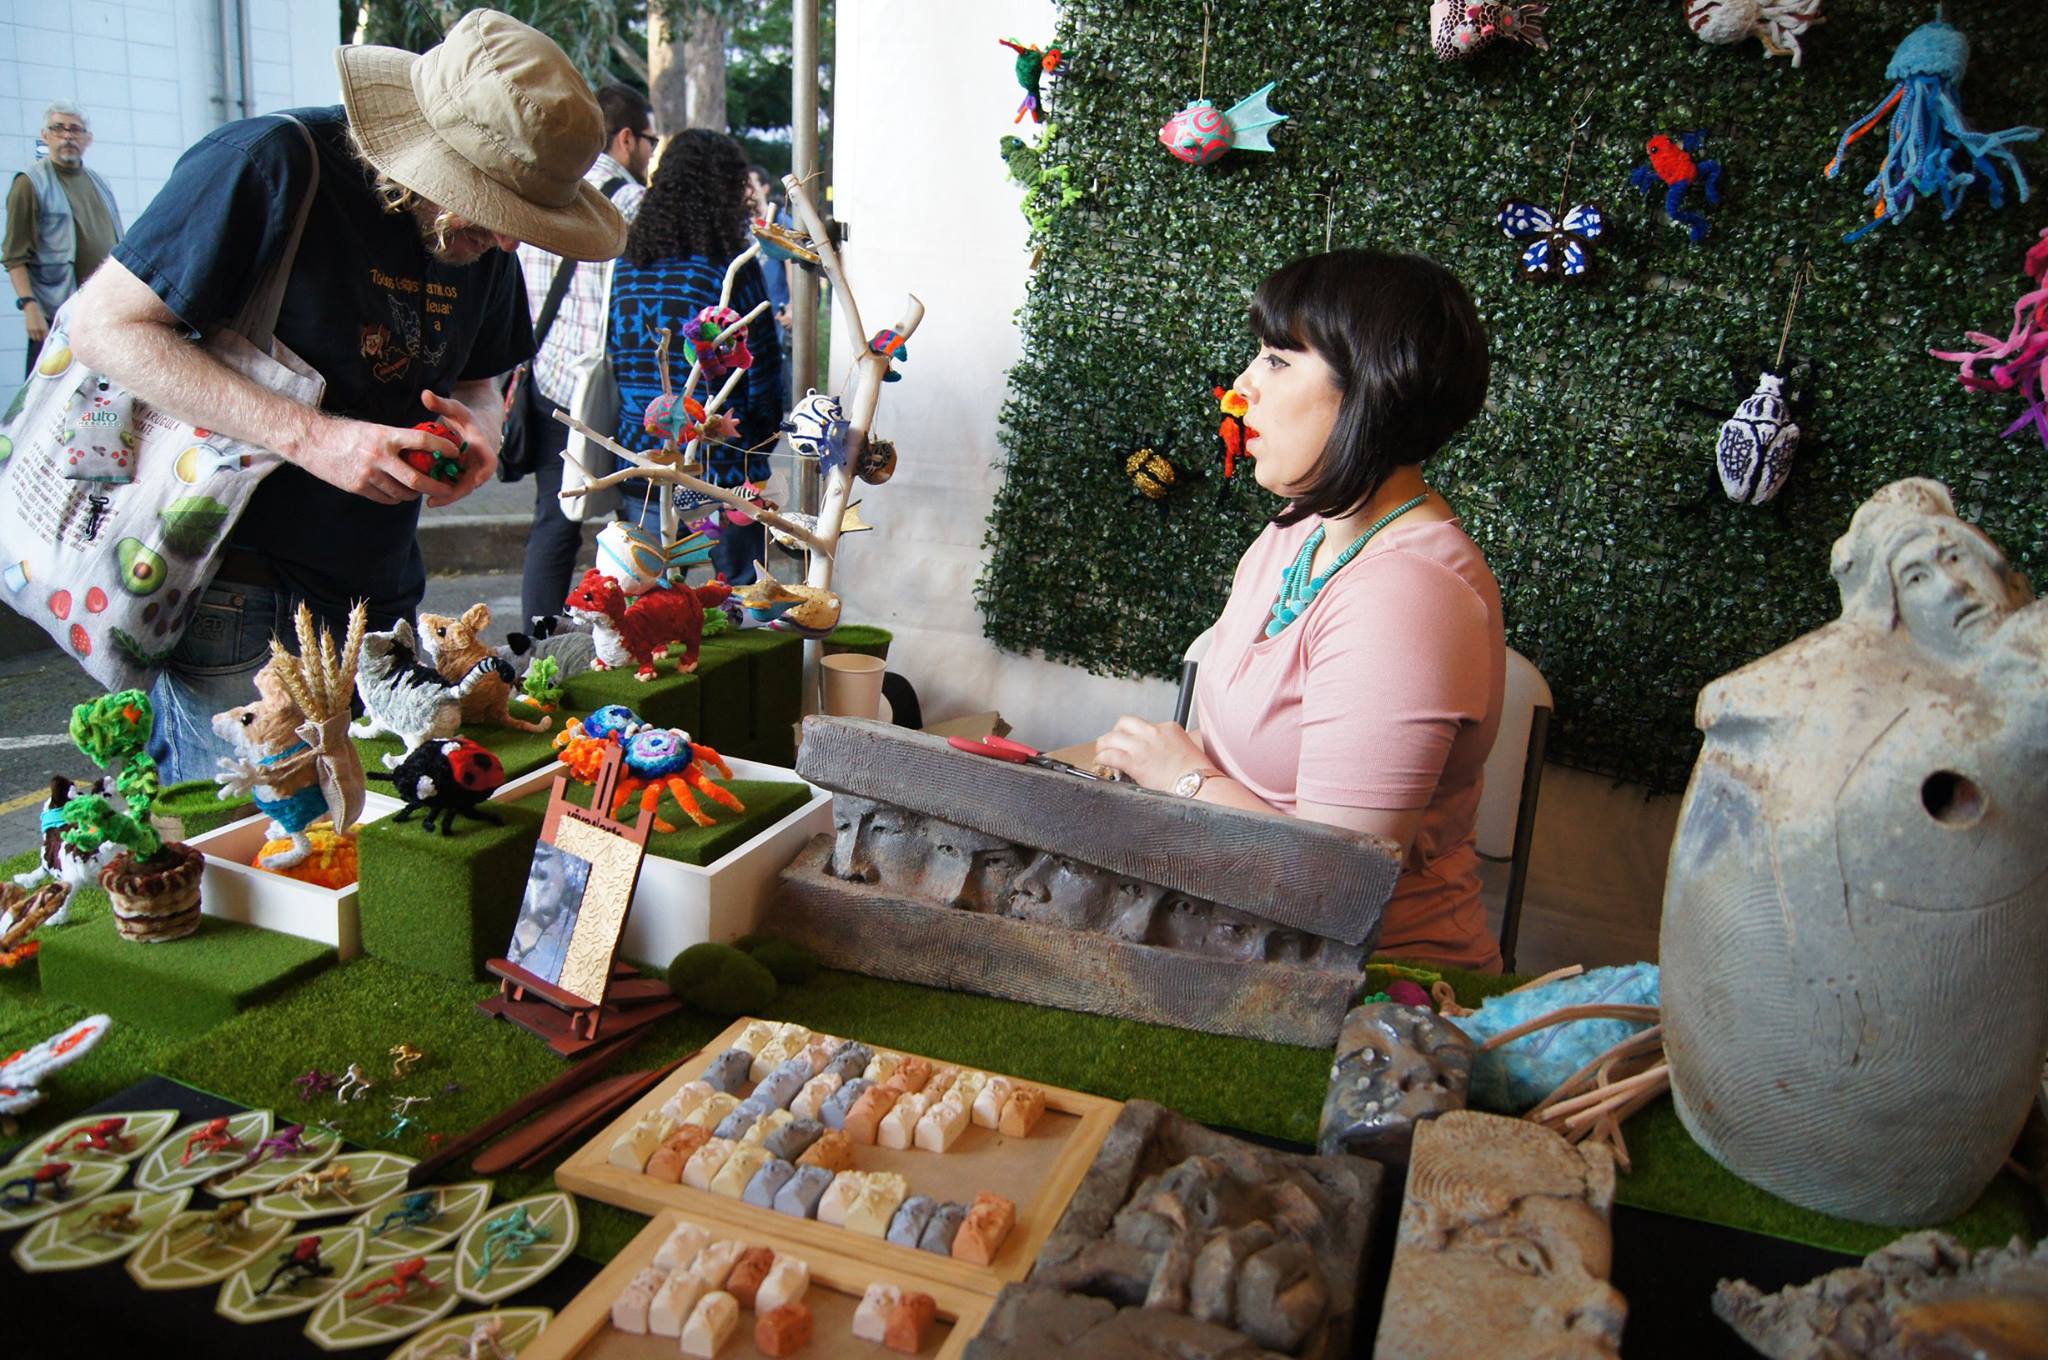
{"type": "Point", "coordinates": [1459, 28]}
{"type": "Point", "coordinates": [1199, 133]}
{"type": "Point", "coordinates": [2016, 362]}
{"type": "Point", "coordinates": [1033, 65]}
{"type": "Point", "coordinates": [1154, 475]}
{"type": "Point", "coordinates": [1932, 150]}
{"type": "Point", "coordinates": [890, 346]}
{"type": "Point", "coordinates": [714, 340]}
{"type": "Point", "coordinates": [440, 466]}
{"type": "Point", "coordinates": [1754, 454]}
{"type": "Point", "coordinates": [1232, 429]}
{"type": "Point", "coordinates": [1556, 250]}
{"type": "Point", "coordinates": [1778, 23]}
{"type": "Point", "coordinates": [1673, 169]}
{"type": "Point", "coordinates": [818, 429]}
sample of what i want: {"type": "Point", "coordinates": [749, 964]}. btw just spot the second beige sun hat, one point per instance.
{"type": "Point", "coordinates": [494, 124]}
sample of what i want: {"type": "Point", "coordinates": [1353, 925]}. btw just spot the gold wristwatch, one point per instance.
{"type": "Point", "coordinates": [1190, 784]}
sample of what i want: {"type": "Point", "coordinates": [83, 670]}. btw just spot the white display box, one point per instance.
{"type": "Point", "coordinates": [233, 889]}
{"type": "Point", "coordinates": [676, 905]}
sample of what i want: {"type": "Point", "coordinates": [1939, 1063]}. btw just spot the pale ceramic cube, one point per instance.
{"type": "Point", "coordinates": [988, 1105]}
{"type": "Point", "coordinates": [883, 1066]}
{"type": "Point", "coordinates": [673, 1304]}
{"type": "Point", "coordinates": [686, 1098]}
{"type": "Point", "coordinates": [810, 1101]}
{"type": "Point", "coordinates": [900, 1124]}
{"type": "Point", "coordinates": [881, 1195]}
{"type": "Point", "coordinates": [711, 1112]}
{"type": "Point", "coordinates": [631, 1149]}
{"type": "Point", "coordinates": [941, 1126]}
{"type": "Point", "coordinates": [739, 1168]}
{"type": "Point", "coordinates": [871, 1318]}
{"type": "Point", "coordinates": [681, 1246]}
{"type": "Point", "coordinates": [967, 1086]}
{"type": "Point", "coordinates": [711, 1322]}
{"type": "Point", "coordinates": [767, 1124]}
{"type": "Point", "coordinates": [785, 1282]}
{"type": "Point", "coordinates": [839, 1197]}
{"type": "Point", "coordinates": [754, 1035]}
{"type": "Point", "coordinates": [715, 1262]}
{"type": "Point", "coordinates": [705, 1162]}
{"type": "Point", "coordinates": [629, 1309]}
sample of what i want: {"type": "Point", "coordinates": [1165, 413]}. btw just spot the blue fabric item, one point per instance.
{"type": "Point", "coordinates": [669, 293]}
{"type": "Point", "coordinates": [297, 812]}
{"type": "Point", "coordinates": [52, 819]}
{"type": "Point", "coordinates": [1517, 1075]}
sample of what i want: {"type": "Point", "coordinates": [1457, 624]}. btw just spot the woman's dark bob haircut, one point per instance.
{"type": "Point", "coordinates": [1408, 352]}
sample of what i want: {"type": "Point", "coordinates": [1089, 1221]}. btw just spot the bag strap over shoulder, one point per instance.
{"type": "Point", "coordinates": [257, 321]}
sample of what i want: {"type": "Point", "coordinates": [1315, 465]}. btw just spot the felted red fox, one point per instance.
{"type": "Point", "coordinates": [640, 627]}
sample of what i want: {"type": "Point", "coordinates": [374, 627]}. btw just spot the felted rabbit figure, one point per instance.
{"type": "Point", "coordinates": [456, 648]}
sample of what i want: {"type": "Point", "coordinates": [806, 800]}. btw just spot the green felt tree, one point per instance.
{"type": "Point", "coordinates": [90, 821]}
{"type": "Point", "coordinates": [113, 731]}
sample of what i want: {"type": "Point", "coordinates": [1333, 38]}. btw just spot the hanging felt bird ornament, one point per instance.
{"type": "Point", "coordinates": [1673, 169]}
{"type": "Point", "coordinates": [676, 420]}
{"type": "Point", "coordinates": [785, 243]}
{"type": "Point", "coordinates": [2016, 362]}
{"type": "Point", "coordinates": [1754, 453]}
{"type": "Point", "coordinates": [818, 428]}
{"type": "Point", "coordinates": [1932, 150]}
{"type": "Point", "coordinates": [1033, 65]}
{"type": "Point", "coordinates": [1778, 23]}
{"type": "Point", "coordinates": [1556, 249]}
{"type": "Point", "coordinates": [1199, 133]}
{"type": "Point", "coordinates": [714, 340]}
{"type": "Point", "coordinates": [1232, 429]}
{"type": "Point", "coordinates": [890, 346]}
{"type": "Point", "coordinates": [1459, 28]}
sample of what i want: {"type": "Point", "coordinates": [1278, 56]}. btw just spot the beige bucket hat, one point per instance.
{"type": "Point", "coordinates": [494, 124]}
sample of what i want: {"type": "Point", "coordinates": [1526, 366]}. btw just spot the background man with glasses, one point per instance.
{"type": "Point", "coordinates": [61, 222]}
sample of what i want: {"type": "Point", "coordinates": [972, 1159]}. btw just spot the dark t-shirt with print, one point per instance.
{"type": "Point", "coordinates": [367, 306]}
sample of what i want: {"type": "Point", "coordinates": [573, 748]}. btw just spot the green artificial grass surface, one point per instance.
{"type": "Point", "coordinates": [444, 903]}
{"type": "Point", "coordinates": [864, 638]}
{"type": "Point", "coordinates": [668, 700]}
{"type": "Point", "coordinates": [767, 801]}
{"type": "Point", "coordinates": [518, 751]}
{"type": "Point", "coordinates": [197, 807]}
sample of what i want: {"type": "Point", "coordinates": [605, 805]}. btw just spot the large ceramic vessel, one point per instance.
{"type": "Point", "coordinates": [1855, 931]}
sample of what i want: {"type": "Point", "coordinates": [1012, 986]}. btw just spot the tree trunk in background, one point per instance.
{"type": "Point", "coordinates": [704, 60]}
{"type": "Point", "coordinates": [667, 82]}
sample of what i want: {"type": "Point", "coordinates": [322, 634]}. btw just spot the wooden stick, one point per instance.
{"type": "Point", "coordinates": [1601, 1095]}
{"type": "Point", "coordinates": [1569, 970]}
{"type": "Point", "coordinates": [1648, 1039]}
{"type": "Point", "coordinates": [571, 1114]}
{"type": "Point", "coordinates": [587, 1070]}
{"type": "Point", "coordinates": [1567, 1014]}
{"type": "Point", "coordinates": [1622, 1095]}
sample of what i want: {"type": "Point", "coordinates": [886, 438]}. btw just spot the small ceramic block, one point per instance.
{"type": "Point", "coordinates": [747, 1274]}
{"type": "Point", "coordinates": [783, 1330]}
{"type": "Point", "coordinates": [789, 1039]}
{"type": "Point", "coordinates": [785, 1284]}
{"type": "Point", "coordinates": [910, 1075]}
{"type": "Point", "coordinates": [988, 1106]}
{"type": "Point", "coordinates": [1021, 1112]}
{"type": "Point", "coordinates": [681, 1247]}
{"type": "Point", "coordinates": [800, 1194]}
{"type": "Point", "coordinates": [631, 1149]}
{"type": "Point", "coordinates": [833, 1151]}
{"type": "Point", "coordinates": [728, 1071]}
{"type": "Point", "coordinates": [881, 1194]}
{"type": "Point", "coordinates": [905, 1325]}
{"type": "Point", "coordinates": [686, 1098]}
{"type": "Point", "coordinates": [780, 1086]}
{"type": "Point", "coordinates": [882, 1066]}
{"type": "Point", "coordinates": [705, 1162]}
{"type": "Point", "coordinates": [818, 1052]}
{"type": "Point", "coordinates": [810, 1101]}
{"type": "Point", "coordinates": [900, 1123]}
{"type": "Point", "coordinates": [736, 1125]}
{"type": "Point", "coordinates": [759, 1130]}
{"type": "Point", "coordinates": [712, 1111]}
{"type": "Point", "coordinates": [839, 1198]}
{"type": "Point", "coordinates": [789, 1139]}
{"type": "Point", "coordinates": [740, 1168]}
{"type": "Point", "coordinates": [864, 1116]}
{"type": "Point", "coordinates": [909, 1224]}
{"type": "Point", "coordinates": [941, 1082]}
{"type": "Point", "coordinates": [754, 1035]}
{"type": "Point", "coordinates": [941, 1126]}
{"type": "Point", "coordinates": [945, 1225]}
{"type": "Point", "coordinates": [673, 1305]}
{"type": "Point", "coordinates": [711, 1322]}
{"type": "Point", "coordinates": [833, 1112]}
{"type": "Point", "coordinates": [769, 1179]}
{"type": "Point", "coordinates": [850, 1061]}
{"type": "Point", "coordinates": [967, 1086]}
{"type": "Point", "coordinates": [629, 1309]}
{"type": "Point", "coordinates": [981, 1235]}
{"type": "Point", "coordinates": [871, 1318]}
{"type": "Point", "coordinates": [715, 1262]}
{"type": "Point", "coordinates": [672, 1156]}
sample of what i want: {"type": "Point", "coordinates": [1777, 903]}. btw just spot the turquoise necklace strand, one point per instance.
{"type": "Point", "coordinates": [1297, 589]}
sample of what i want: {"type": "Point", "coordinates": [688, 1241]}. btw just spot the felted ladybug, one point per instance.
{"type": "Point", "coordinates": [439, 466]}
{"type": "Point", "coordinates": [447, 776]}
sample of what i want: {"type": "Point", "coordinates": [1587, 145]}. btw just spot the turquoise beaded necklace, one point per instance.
{"type": "Point", "coordinates": [1296, 589]}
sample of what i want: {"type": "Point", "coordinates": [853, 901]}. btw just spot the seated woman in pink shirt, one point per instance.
{"type": "Point", "coordinates": [1355, 676]}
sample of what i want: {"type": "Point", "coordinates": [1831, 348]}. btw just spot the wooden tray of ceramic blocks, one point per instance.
{"type": "Point", "coordinates": [1039, 1173]}
{"type": "Point", "coordinates": [584, 1331]}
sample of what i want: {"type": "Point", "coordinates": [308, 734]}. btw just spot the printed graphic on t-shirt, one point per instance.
{"type": "Point", "coordinates": [391, 353]}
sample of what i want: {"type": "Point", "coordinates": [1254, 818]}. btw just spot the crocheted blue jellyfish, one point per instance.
{"type": "Point", "coordinates": [1932, 150]}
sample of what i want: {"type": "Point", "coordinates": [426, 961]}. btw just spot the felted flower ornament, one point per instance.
{"type": "Point", "coordinates": [2016, 362]}
{"type": "Point", "coordinates": [1778, 23]}
{"type": "Point", "coordinates": [1932, 150]}
{"type": "Point", "coordinates": [714, 340]}
{"type": "Point", "coordinates": [1459, 28]}
{"type": "Point", "coordinates": [1199, 133]}
{"type": "Point", "coordinates": [677, 420]}
{"type": "Point", "coordinates": [1673, 169]}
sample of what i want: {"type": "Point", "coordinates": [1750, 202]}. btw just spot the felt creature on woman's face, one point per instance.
{"type": "Point", "coordinates": [457, 650]}
{"type": "Point", "coordinates": [407, 700]}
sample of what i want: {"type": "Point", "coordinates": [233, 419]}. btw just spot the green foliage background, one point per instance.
{"type": "Point", "coordinates": [1628, 577]}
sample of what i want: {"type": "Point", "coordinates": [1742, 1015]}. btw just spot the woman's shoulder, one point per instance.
{"type": "Point", "coordinates": [1433, 550]}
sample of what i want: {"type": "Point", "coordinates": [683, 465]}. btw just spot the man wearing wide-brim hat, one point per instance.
{"type": "Point", "coordinates": [403, 295]}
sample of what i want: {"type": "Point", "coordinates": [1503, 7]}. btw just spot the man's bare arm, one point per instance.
{"type": "Point", "coordinates": [119, 327]}
{"type": "Point", "coordinates": [32, 319]}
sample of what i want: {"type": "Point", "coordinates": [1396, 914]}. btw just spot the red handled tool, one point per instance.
{"type": "Point", "coordinates": [1017, 753]}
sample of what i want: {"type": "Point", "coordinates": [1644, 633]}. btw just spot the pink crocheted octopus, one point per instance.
{"type": "Point", "coordinates": [2016, 362]}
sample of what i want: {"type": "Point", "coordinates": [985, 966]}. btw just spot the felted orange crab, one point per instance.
{"type": "Point", "coordinates": [656, 759]}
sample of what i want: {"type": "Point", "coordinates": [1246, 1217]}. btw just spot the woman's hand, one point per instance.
{"type": "Point", "coordinates": [1154, 754]}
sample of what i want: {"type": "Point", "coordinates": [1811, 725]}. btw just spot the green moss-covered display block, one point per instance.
{"type": "Point", "coordinates": [864, 638]}
{"type": "Point", "coordinates": [668, 700]}
{"type": "Point", "coordinates": [725, 696]}
{"type": "Point", "coordinates": [196, 806]}
{"type": "Point", "coordinates": [777, 661]}
{"type": "Point", "coordinates": [179, 986]}
{"type": "Point", "coordinates": [444, 904]}
{"type": "Point", "coordinates": [768, 801]}
{"type": "Point", "coordinates": [518, 751]}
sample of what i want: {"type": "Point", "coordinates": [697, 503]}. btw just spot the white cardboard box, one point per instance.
{"type": "Point", "coordinates": [677, 905]}
{"type": "Point", "coordinates": [234, 890]}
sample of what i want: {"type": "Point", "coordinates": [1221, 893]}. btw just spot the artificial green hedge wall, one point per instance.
{"type": "Point", "coordinates": [1628, 577]}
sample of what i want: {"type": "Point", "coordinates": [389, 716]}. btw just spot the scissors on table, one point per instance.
{"type": "Point", "coordinates": [1017, 753]}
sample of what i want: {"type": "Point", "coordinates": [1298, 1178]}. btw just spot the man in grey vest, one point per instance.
{"type": "Point", "coordinates": [61, 222]}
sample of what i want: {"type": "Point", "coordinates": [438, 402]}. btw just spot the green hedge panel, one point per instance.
{"type": "Point", "coordinates": [1628, 577]}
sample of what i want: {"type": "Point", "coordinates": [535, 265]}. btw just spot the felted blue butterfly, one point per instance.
{"type": "Point", "coordinates": [1556, 250]}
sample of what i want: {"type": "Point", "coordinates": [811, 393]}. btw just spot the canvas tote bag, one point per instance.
{"type": "Point", "coordinates": [594, 400]}
{"type": "Point", "coordinates": [113, 514]}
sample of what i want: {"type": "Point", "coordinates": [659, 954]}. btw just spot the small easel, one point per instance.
{"type": "Point", "coordinates": [626, 1001]}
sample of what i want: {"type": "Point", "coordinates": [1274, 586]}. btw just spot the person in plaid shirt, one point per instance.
{"type": "Point", "coordinates": [620, 173]}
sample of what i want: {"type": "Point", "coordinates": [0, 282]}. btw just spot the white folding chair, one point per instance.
{"type": "Point", "coordinates": [1513, 779]}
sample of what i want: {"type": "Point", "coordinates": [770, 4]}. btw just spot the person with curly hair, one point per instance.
{"type": "Point", "coordinates": [691, 225]}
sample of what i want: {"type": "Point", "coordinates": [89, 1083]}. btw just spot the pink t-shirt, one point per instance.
{"type": "Point", "coordinates": [1384, 693]}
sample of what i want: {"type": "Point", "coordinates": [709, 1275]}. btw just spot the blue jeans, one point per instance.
{"type": "Point", "coordinates": [212, 670]}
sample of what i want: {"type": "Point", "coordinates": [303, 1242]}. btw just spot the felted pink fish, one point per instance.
{"type": "Point", "coordinates": [1200, 133]}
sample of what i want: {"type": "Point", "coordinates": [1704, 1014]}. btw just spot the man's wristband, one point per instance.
{"type": "Point", "coordinates": [21, 304]}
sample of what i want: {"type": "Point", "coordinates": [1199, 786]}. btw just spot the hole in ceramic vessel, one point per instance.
{"type": "Point", "coordinates": [1952, 799]}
